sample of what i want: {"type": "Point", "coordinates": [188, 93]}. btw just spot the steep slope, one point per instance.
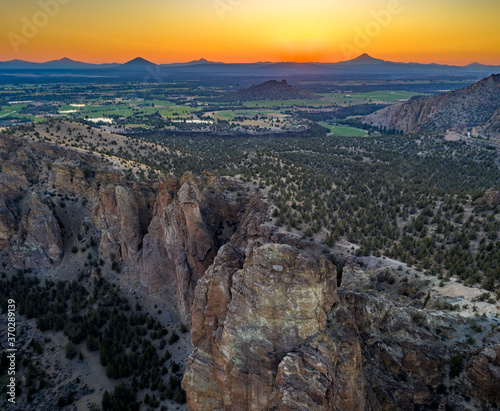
{"type": "Point", "coordinates": [271, 330]}
{"type": "Point", "coordinates": [475, 105]}
{"type": "Point", "coordinates": [270, 326]}
{"type": "Point", "coordinates": [164, 233]}
{"type": "Point", "coordinates": [271, 90]}
{"type": "Point", "coordinates": [491, 129]}
{"type": "Point", "coordinates": [193, 217]}
{"type": "Point", "coordinates": [256, 327]}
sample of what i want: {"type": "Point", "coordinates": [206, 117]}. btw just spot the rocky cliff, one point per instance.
{"type": "Point", "coordinates": [473, 105]}
{"type": "Point", "coordinates": [271, 328]}
{"type": "Point", "coordinates": [192, 218]}
{"type": "Point", "coordinates": [490, 197]}
{"type": "Point", "coordinates": [272, 331]}
{"type": "Point", "coordinates": [29, 230]}
{"type": "Point", "coordinates": [164, 233]}
{"type": "Point", "coordinates": [265, 338]}
{"type": "Point", "coordinates": [491, 129]}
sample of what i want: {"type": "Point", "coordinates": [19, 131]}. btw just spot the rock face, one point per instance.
{"type": "Point", "coordinates": [490, 197]}
{"type": "Point", "coordinates": [37, 241]}
{"type": "Point", "coordinates": [29, 229]}
{"type": "Point", "coordinates": [483, 373]}
{"type": "Point", "coordinates": [491, 129]}
{"type": "Point", "coordinates": [192, 218]}
{"type": "Point", "coordinates": [122, 213]}
{"type": "Point", "coordinates": [475, 104]}
{"type": "Point", "coordinates": [271, 331]}
{"type": "Point", "coordinates": [68, 176]}
{"type": "Point", "coordinates": [263, 336]}
{"type": "Point", "coordinates": [270, 327]}
{"type": "Point", "coordinates": [164, 233]}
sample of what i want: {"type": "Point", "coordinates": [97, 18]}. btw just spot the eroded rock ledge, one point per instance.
{"type": "Point", "coordinates": [266, 337]}
{"type": "Point", "coordinates": [163, 233]}
{"type": "Point", "coordinates": [270, 328]}
{"type": "Point", "coordinates": [272, 331]}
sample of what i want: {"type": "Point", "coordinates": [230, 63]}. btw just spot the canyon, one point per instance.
{"type": "Point", "coordinates": [275, 325]}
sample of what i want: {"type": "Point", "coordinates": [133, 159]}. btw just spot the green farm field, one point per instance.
{"type": "Point", "coordinates": [344, 131]}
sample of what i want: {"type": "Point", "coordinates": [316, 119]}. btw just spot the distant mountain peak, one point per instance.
{"type": "Point", "coordinates": [64, 60]}
{"type": "Point", "coordinates": [139, 61]}
{"type": "Point", "coordinates": [64, 63]}
{"type": "Point", "coordinates": [204, 61]}
{"type": "Point", "coordinates": [200, 61]}
{"type": "Point", "coordinates": [364, 56]}
{"type": "Point", "coordinates": [363, 59]}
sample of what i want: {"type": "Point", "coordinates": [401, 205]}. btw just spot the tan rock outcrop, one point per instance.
{"type": "Point", "coordinates": [476, 103]}
{"type": "Point", "coordinates": [7, 225]}
{"type": "Point", "coordinates": [117, 215]}
{"type": "Point", "coordinates": [271, 330]}
{"type": "Point", "coordinates": [68, 177]}
{"type": "Point", "coordinates": [261, 330]}
{"type": "Point", "coordinates": [483, 373]}
{"type": "Point", "coordinates": [37, 242]}
{"type": "Point", "coordinates": [164, 233]}
{"type": "Point", "coordinates": [326, 373]}
{"type": "Point", "coordinates": [490, 197]}
{"type": "Point", "coordinates": [192, 218]}
{"type": "Point", "coordinates": [354, 277]}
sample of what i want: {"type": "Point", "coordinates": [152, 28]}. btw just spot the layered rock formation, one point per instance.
{"type": "Point", "coordinates": [483, 374]}
{"type": "Point", "coordinates": [475, 104]}
{"type": "Point", "coordinates": [118, 215]}
{"type": "Point", "coordinates": [270, 328]}
{"type": "Point", "coordinates": [264, 338]}
{"type": "Point", "coordinates": [192, 218]}
{"type": "Point", "coordinates": [164, 233]}
{"type": "Point", "coordinates": [271, 331]}
{"type": "Point", "coordinates": [29, 229]}
{"type": "Point", "coordinates": [36, 241]}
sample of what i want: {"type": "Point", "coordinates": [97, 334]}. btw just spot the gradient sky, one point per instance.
{"type": "Point", "coordinates": [166, 31]}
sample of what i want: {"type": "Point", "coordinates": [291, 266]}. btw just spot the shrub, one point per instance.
{"type": "Point", "coordinates": [115, 266]}
{"type": "Point", "coordinates": [456, 366]}
{"type": "Point", "coordinates": [173, 338]}
{"type": "Point", "coordinates": [70, 350]}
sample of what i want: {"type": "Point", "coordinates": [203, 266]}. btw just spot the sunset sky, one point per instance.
{"type": "Point", "coordinates": [166, 31]}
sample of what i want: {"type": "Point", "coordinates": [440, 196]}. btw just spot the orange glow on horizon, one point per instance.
{"type": "Point", "coordinates": [454, 32]}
